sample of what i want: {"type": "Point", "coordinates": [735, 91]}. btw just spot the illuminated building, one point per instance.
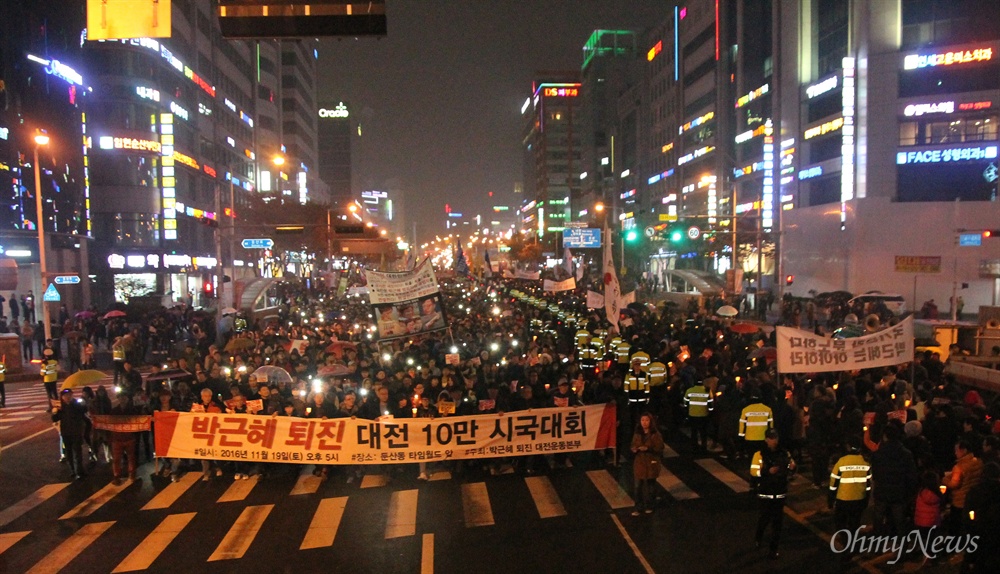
{"type": "Point", "coordinates": [336, 135]}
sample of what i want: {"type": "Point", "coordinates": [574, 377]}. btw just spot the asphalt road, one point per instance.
{"type": "Point", "coordinates": [562, 520]}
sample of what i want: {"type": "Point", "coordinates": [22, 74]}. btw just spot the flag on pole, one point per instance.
{"type": "Point", "coordinates": [487, 265]}
{"type": "Point", "coordinates": [411, 259]}
{"type": "Point", "coordinates": [612, 303]}
{"type": "Point", "coordinates": [568, 261]}
{"type": "Point", "coordinates": [461, 265]}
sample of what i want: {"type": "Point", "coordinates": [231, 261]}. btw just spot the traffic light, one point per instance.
{"type": "Point", "coordinates": [789, 279]}
{"type": "Point", "coordinates": [631, 235]}
{"type": "Point", "coordinates": [676, 236]}
{"type": "Point", "coordinates": [207, 288]}
{"type": "Point", "coordinates": [991, 233]}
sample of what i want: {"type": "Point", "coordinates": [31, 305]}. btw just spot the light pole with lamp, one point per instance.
{"type": "Point", "coordinates": [41, 139]}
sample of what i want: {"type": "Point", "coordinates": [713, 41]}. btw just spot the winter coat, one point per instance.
{"type": "Point", "coordinates": [928, 510]}
{"type": "Point", "coordinates": [647, 462]}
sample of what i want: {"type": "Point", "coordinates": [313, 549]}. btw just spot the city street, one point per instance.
{"type": "Point", "coordinates": [571, 520]}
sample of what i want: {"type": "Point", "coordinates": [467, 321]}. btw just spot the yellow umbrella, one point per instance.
{"type": "Point", "coordinates": [82, 379]}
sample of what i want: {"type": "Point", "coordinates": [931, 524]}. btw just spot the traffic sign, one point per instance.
{"type": "Point", "coordinates": [581, 238]}
{"type": "Point", "coordinates": [67, 279]}
{"type": "Point", "coordinates": [263, 243]}
{"type": "Point", "coordinates": [51, 294]}
{"type": "Point", "coordinates": [694, 233]}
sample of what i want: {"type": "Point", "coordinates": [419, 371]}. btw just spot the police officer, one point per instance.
{"type": "Point", "coordinates": [755, 420]}
{"type": "Point", "coordinates": [118, 358]}
{"type": "Point", "coordinates": [850, 483]}
{"type": "Point", "coordinates": [699, 403]}
{"type": "Point", "coordinates": [50, 373]}
{"type": "Point", "coordinates": [770, 471]}
{"type": "Point", "coordinates": [637, 386]}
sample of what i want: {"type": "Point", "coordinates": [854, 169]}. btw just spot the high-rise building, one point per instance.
{"type": "Point", "coordinates": [335, 146]}
{"type": "Point", "coordinates": [553, 153]}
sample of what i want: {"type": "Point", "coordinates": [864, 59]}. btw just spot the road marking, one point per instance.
{"type": "Point", "coordinates": [374, 481]}
{"type": "Point", "coordinates": [610, 489]}
{"type": "Point", "coordinates": [476, 505]}
{"type": "Point", "coordinates": [732, 480]}
{"type": "Point", "coordinates": [239, 489]}
{"type": "Point", "coordinates": [237, 541]}
{"type": "Point", "coordinates": [323, 528]}
{"type": "Point", "coordinates": [674, 486]}
{"type": "Point", "coordinates": [96, 500]}
{"type": "Point", "coordinates": [11, 538]}
{"type": "Point", "coordinates": [65, 553]}
{"type": "Point", "coordinates": [440, 475]}
{"type": "Point", "coordinates": [172, 492]}
{"type": "Point", "coordinates": [631, 543]}
{"type": "Point", "coordinates": [402, 517]}
{"type": "Point", "coordinates": [29, 437]}
{"type": "Point", "coordinates": [32, 500]}
{"type": "Point", "coordinates": [545, 496]}
{"type": "Point", "coordinates": [669, 452]}
{"type": "Point", "coordinates": [16, 420]}
{"type": "Point", "coordinates": [153, 545]}
{"type": "Point", "coordinates": [427, 555]}
{"type": "Point", "coordinates": [306, 484]}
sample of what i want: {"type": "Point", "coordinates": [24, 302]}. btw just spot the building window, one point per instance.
{"type": "Point", "coordinates": [929, 132]}
{"type": "Point", "coordinates": [137, 229]}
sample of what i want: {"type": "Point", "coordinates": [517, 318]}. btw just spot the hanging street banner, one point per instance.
{"type": "Point", "coordinates": [805, 352]}
{"type": "Point", "coordinates": [557, 286]}
{"type": "Point", "coordinates": [406, 303]}
{"type": "Point", "coordinates": [241, 437]}
{"type": "Point", "coordinates": [121, 423]}
{"type": "Point", "coordinates": [918, 264]}
{"type": "Point", "coordinates": [595, 300]}
{"type": "Point", "coordinates": [518, 274]}
{"type": "Point", "coordinates": [125, 19]}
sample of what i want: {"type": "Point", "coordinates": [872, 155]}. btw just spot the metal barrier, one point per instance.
{"type": "Point", "coordinates": [982, 378]}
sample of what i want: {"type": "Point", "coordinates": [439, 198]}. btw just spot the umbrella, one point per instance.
{"type": "Point", "coordinates": [636, 306]}
{"type": "Point", "coordinates": [82, 379]}
{"type": "Point", "coordinates": [744, 328]}
{"type": "Point", "coordinates": [832, 298]}
{"type": "Point", "coordinates": [229, 311]}
{"type": "Point", "coordinates": [114, 314]}
{"type": "Point", "coordinates": [274, 374]}
{"type": "Point", "coordinates": [769, 354]}
{"type": "Point", "coordinates": [85, 315]}
{"type": "Point", "coordinates": [335, 370]}
{"type": "Point", "coordinates": [238, 344]}
{"type": "Point", "coordinates": [727, 311]}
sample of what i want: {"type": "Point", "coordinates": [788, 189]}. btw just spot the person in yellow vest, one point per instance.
{"type": "Point", "coordinates": [50, 373]}
{"type": "Point", "coordinates": [850, 483]}
{"type": "Point", "coordinates": [582, 339]}
{"type": "Point", "coordinates": [637, 385]}
{"type": "Point", "coordinates": [642, 357]}
{"type": "Point", "coordinates": [3, 381]}
{"type": "Point", "coordinates": [588, 360]}
{"type": "Point", "coordinates": [118, 359]}
{"type": "Point", "coordinates": [657, 372]}
{"type": "Point", "coordinates": [699, 403]}
{"type": "Point", "coordinates": [597, 349]}
{"type": "Point", "coordinates": [755, 420]}
{"type": "Point", "coordinates": [622, 353]}
{"type": "Point", "coordinates": [770, 470]}
{"type": "Point", "coordinates": [613, 346]}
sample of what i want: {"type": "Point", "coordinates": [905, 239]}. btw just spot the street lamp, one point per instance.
{"type": "Point", "coordinates": [278, 160]}
{"type": "Point", "coordinates": [41, 139]}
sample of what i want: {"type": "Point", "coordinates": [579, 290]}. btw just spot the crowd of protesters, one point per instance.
{"type": "Point", "coordinates": [934, 466]}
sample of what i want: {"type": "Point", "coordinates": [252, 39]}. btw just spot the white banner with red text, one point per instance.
{"type": "Point", "coordinates": [219, 436]}
{"type": "Point", "coordinates": [805, 352]}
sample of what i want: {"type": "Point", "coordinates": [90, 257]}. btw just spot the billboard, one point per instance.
{"type": "Point", "coordinates": [124, 19]}
{"type": "Point", "coordinates": [581, 237]}
{"type": "Point", "coordinates": [407, 303]}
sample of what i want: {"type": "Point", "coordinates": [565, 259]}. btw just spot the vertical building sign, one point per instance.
{"type": "Point", "coordinates": [767, 194]}
{"type": "Point", "coordinates": [86, 171]}
{"type": "Point", "coordinates": [847, 141]}
{"type": "Point", "coordinates": [167, 177]}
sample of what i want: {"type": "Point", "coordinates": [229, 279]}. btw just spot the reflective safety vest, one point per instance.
{"type": "Point", "coordinates": [642, 357]}
{"type": "Point", "coordinates": [698, 401]}
{"type": "Point", "coordinates": [3, 372]}
{"type": "Point", "coordinates": [621, 351]}
{"type": "Point", "coordinates": [571, 319]}
{"type": "Point", "coordinates": [755, 420]}
{"type": "Point", "coordinates": [851, 477]}
{"type": "Point", "coordinates": [582, 339]}
{"type": "Point", "coordinates": [637, 385]}
{"type": "Point", "coordinates": [600, 334]}
{"type": "Point", "coordinates": [613, 344]}
{"type": "Point", "coordinates": [50, 371]}
{"type": "Point", "coordinates": [657, 372]}
{"type": "Point", "coordinates": [118, 353]}
{"type": "Point", "coordinates": [587, 357]}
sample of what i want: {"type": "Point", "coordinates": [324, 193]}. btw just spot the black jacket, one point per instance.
{"type": "Point", "coordinates": [894, 474]}
{"type": "Point", "coordinates": [72, 418]}
{"type": "Point", "coordinates": [774, 484]}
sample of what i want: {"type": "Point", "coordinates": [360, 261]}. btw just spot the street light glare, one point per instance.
{"type": "Point", "coordinates": [599, 207]}
{"type": "Point", "coordinates": [278, 160]}
{"type": "Point", "coordinates": [42, 139]}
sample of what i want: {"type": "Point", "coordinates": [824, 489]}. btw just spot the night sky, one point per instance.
{"type": "Point", "coordinates": [439, 98]}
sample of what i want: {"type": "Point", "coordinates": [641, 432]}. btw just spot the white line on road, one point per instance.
{"type": "Point", "coordinates": [732, 480]}
{"type": "Point", "coordinates": [11, 538]}
{"type": "Point", "coordinates": [172, 492]}
{"type": "Point", "coordinates": [153, 545]}
{"type": "Point", "coordinates": [669, 452]}
{"type": "Point", "coordinates": [674, 486]}
{"type": "Point", "coordinates": [427, 555]}
{"type": "Point", "coordinates": [237, 541]}
{"type": "Point", "coordinates": [374, 481]}
{"type": "Point", "coordinates": [239, 489]}
{"type": "Point", "coordinates": [96, 500]}
{"type": "Point", "coordinates": [29, 437]}
{"type": "Point", "coordinates": [631, 543]}
{"type": "Point", "coordinates": [402, 518]}
{"type": "Point", "coordinates": [545, 496]}
{"type": "Point", "coordinates": [31, 501]}
{"type": "Point", "coordinates": [323, 528]}
{"type": "Point", "coordinates": [306, 484]}
{"type": "Point", "coordinates": [610, 489]}
{"type": "Point", "coordinates": [65, 553]}
{"type": "Point", "coordinates": [476, 505]}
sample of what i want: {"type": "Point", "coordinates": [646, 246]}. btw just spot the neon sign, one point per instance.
{"type": "Point", "coordinates": [820, 88]}
{"type": "Point", "coordinates": [186, 160]}
{"type": "Point", "coordinates": [59, 70]}
{"type": "Point", "coordinates": [148, 93]}
{"type": "Point", "coordinates": [744, 100]}
{"type": "Point", "coordinates": [110, 142]}
{"type": "Point", "coordinates": [811, 172]}
{"type": "Point", "coordinates": [972, 153]}
{"type": "Point", "coordinates": [340, 111]}
{"type": "Point", "coordinates": [654, 51]}
{"type": "Point", "coordinates": [693, 124]}
{"type": "Point", "coordinates": [823, 129]}
{"type": "Point", "coordinates": [561, 92]}
{"type": "Point", "coordinates": [917, 61]}
{"type": "Point", "coordinates": [178, 111]}
{"type": "Point", "coordinates": [921, 109]}
{"type": "Point", "coordinates": [695, 154]}
{"type": "Point", "coordinates": [209, 89]}
{"type": "Point", "coordinates": [847, 141]}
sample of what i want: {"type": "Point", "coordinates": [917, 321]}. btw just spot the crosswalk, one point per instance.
{"type": "Point", "coordinates": [172, 510]}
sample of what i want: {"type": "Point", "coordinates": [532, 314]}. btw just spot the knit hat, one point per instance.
{"type": "Point", "coordinates": [913, 429]}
